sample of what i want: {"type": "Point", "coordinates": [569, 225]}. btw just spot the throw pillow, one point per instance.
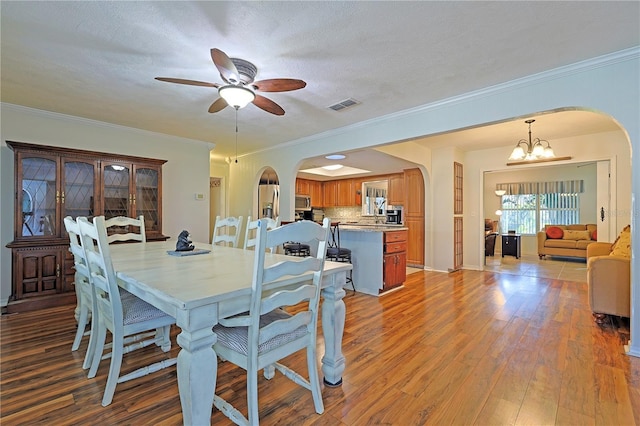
{"type": "Point", "coordinates": [554, 232]}
{"type": "Point", "coordinates": [576, 235]}
{"type": "Point", "coordinates": [594, 235]}
{"type": "Point", "coordinates": [622, 245]}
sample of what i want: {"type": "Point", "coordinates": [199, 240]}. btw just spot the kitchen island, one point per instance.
{"type": "Point", "coordinates": [378, 254]}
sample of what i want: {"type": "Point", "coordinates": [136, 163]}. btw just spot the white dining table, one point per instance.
{"type": "Point", "coordinates": [198, 291]}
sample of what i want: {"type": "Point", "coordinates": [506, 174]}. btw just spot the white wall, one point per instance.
{"type": "Point", "coordinates": [587, 203]}
{"type": "Point", "coordinates": [609, 85]}
{"type": "Point", "coordinates": [479, 187]}
{"type": "Point", "coordinates": [185, 173]}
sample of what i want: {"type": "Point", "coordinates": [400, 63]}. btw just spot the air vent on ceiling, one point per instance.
{"type": "Point", "coordinates": [347, 103]}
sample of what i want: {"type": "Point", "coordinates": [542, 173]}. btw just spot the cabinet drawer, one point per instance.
{"type": "Point", "coordinates": [395, 247]}
{"type": "Point", "coordinates": [393, 236]}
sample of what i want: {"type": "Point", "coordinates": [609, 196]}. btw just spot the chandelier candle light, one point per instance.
{"type": "Point", "coordinates": [533, 150]}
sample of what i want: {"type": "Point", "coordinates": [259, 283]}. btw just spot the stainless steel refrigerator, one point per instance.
{"type": "Point", "coordinates": [269, 201]}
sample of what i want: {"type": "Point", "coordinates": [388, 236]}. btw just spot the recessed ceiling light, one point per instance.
{"type": "Point", "coordinates": [335, 157]}
{"type": "Point", "coordinates": [332, 167]}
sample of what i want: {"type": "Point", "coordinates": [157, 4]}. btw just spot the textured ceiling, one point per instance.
{"type": "Point", "coordinates": [98, 59]}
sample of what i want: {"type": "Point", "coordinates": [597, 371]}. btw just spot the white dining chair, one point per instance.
{"type": "Point", "coordinates": [82, 287]}
{"type": "Point", "coordinates": [126, 316]}
{"type": "Point", "coordinates": [226, 231]}
{"type": "Point", "coordinates": [84, 297]}
{"type": "Point", "coordinates": [251, 231]}
{"type": "Point", "coordinates": [118, 223]}
{"type": "Point", "coordinates": [266, 334]}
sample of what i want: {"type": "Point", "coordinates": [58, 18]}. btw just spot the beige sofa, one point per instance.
{"type": "Point", "coordinates": [609, 282]}
{"type": "Point", "coordinates": [572, 243]}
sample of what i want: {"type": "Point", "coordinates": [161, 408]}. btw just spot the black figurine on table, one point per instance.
{"type": "Point", "coordinates": [184, 242]}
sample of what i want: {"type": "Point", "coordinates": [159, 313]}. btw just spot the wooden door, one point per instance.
{"type": "Point", "coordinates": [414, 216]}
{"type": "Point", "coordinates": [457, 243]}
{"type": "Point", "coordinates": [316, 193]}
{"type": "Point", "coordinates": [330, 194]}
{"type": "Point", "coordinates": [414, 186]}
{"type": "Point", "coordinates": [302, 187]}
{"type": "Point", "coordinates": [345, 194]}
{"type": "Point", "coordinates": [396, 189]}
{"type": "Point", "coordinates": [457, 215]}
{"type": "Point", "coordinates": [38, 272]}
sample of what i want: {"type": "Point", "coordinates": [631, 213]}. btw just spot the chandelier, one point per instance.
{"type": "Point", "coordinates": [532, 149]}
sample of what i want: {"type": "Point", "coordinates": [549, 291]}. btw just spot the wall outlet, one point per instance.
{"type": "Point", "coordinates": [199, 197]}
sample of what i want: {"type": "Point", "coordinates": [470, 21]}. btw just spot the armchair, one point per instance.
{"type": "Point", "coordinates": [490, 243]}
{"type": "Point", "coordinates": [609, 282]}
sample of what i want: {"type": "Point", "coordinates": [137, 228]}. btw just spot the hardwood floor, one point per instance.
{"type": "Point", "coordinates": [462, 348]}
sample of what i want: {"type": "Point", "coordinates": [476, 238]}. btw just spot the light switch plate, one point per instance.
{"type": "Point", "coordinates": [199, 197]}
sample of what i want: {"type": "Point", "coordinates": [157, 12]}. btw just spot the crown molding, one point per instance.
{"type": "Point", "coordinates": [104, 124]}
{"type": "Point", "coordinates": [621, 56]}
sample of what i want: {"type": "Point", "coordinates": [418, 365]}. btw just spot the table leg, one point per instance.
{"type": "Point", "coordinates": [197, 366]}
{"type": "Point", "coordinates": [333, 317]}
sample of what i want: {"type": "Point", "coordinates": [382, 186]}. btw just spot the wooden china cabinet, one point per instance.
{"type": "Point", "coordinates": [52, 183]}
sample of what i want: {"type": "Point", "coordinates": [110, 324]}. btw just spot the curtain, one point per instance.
{"type": "Point", "coordinates": [554, 187]}
{"type": "Point", "coordinates": [376, 193]}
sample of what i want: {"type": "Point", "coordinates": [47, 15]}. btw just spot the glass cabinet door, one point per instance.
{"type": "Point", "coordinates": [117, 196]}
{"type": "Point", "coordinates": [79, 188]}
{"type": "Point", "coordinates": [39, 199]}
{"type": "Point", "coordinates": [147, 198]}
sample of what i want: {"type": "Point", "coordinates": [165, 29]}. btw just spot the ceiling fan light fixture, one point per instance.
{"type": "Point", "coordinates": [236, 96]}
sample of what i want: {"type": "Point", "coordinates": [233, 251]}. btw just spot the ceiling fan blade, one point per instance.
{"type": "Point", "coordinates": [268, 105]}
{"type": "Point", "coordinates": [189, 82]}
{"type": "Point", "coordinates": [227, 68]}
{"type": "Point", "coordinates": [278, 85]}
{"type": "Point", "coordinates": [218, 105]}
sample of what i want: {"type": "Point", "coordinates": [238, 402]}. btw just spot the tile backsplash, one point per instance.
{"type": "Point", "coordinates": [348, 214]}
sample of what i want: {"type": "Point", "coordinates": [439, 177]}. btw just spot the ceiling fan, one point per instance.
{"type": "Point", "coordinates": [240, 87]}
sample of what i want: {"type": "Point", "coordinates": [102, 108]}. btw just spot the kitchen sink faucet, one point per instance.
{"type": "Point", "coordinates": [375, 212]}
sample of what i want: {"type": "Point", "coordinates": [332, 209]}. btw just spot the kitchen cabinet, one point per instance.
{"type": "Point", "coordinates": [415, 242]}
{"type": "Point", "coordinates": [302, 187]}
{"type": "Point", "coordinates": [52, 183]}
{"type": "Point", "coordinates": [414, 187]}
{"type": "Point", "coordinates": [346, 195]}
{"type": "Point", "coordinates": [316, 193]}
{"type": "Point", "coordinates": [357, 189]}
{"type": "Point", "coordinates": [414, 216]}
{"type": "Point", "coordinates": [395, 194]}
{"type": "Point", "coordinates": [395, 259]}
{"type": "Point", "coordinates": [330, 193]}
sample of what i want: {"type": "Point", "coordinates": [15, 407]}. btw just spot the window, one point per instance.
{"type": "Point", "coordinates": [528, 213]}
{"type": "Point", "coordinates": [519, 213]}
{"type": "Point", "coordinates": [559, 209]}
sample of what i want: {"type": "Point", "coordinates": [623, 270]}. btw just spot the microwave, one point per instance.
{"type": "Point", "coordinates": [303, 202]}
